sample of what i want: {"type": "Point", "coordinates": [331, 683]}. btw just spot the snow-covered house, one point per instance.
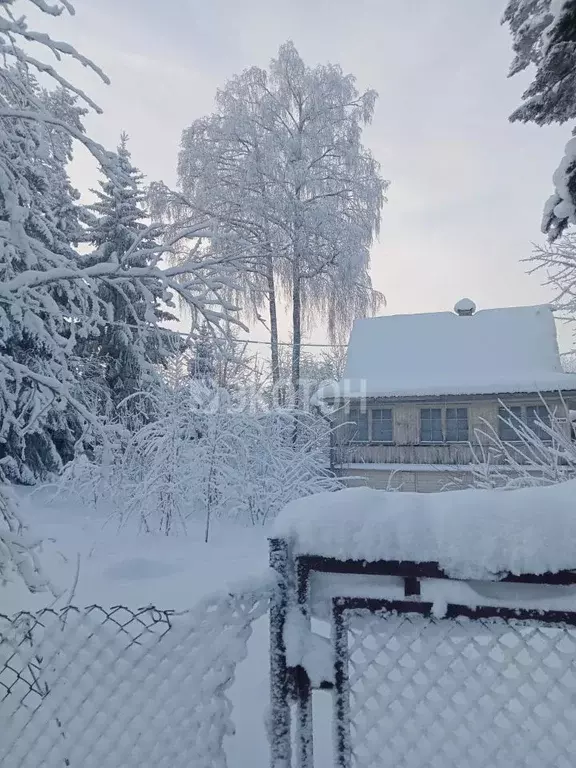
{"type": "Point", "coordinates": [419, 390]}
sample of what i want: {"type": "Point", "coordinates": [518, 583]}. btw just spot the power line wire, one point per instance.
{"type": "Point", "coordinates": [185, 335]}
{"type": "Point", "coordinates": [287, 343]}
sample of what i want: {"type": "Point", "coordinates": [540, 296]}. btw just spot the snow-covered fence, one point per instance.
{"type": "Point", "coordinates": [118, 688]}
{"type": "Point", "coordinates": [445, 641]}
{"type": "Point", "coordinates": [491, 692]}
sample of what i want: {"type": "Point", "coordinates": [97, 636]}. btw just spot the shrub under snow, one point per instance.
{"type": "Point", "coordinates": [204, 457]}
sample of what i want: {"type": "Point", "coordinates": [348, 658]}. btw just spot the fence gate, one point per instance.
{"type": "Point", "coordinates": [420, 680]}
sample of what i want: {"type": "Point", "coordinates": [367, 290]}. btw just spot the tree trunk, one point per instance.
{"type": "Point", "coordinates": [296, 330]}
{"type": "Point", "coordinates": [297, 282]}
{"type": "Point", "coordinates": [273, 332]}
{"type": "Point", "coordinates": [297, 297]}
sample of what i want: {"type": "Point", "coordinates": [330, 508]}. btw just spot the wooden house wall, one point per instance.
{"type": "Point", "coordinates": [407, 448]}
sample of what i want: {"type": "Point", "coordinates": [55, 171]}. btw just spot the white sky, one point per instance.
{"type": "Point", "coordinates": [467, 187]}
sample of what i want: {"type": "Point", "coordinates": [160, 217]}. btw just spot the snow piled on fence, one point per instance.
{"type": "Point", "coordinates": [471, 534]}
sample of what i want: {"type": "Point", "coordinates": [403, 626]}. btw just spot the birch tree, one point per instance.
{"type": "Point", "coordinates": [281, 169]}
{"type": "Point", "coordinates": [222, 180]}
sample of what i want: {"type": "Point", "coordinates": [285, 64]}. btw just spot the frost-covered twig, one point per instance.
{"type": "Point", "coordinates": [558, 262]}
{"type": "Point", "coordinates": [18, 550]}
{"type": "Point", "coordinates": [542, 453]}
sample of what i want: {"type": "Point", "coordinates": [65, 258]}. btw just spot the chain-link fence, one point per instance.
{"type": "Point", "coordinates": [122, 688]}
{"type": "Point", "coordinates": [427, 692]}
{"type": "Point", "coordinates": [418, 683]}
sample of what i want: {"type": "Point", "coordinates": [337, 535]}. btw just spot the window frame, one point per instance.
{"type": "Point", "coordinates": [525, 420]}
{"type": "Point", "coordinates": [432, 441]}
{"type": "Point", "coordinates": [367, 411]}
{"type": "Point", "coordinates": [354, 439]}
{"type": "Point", "coordinates": [371, 420]}
{"type": "Point", "coordinates": [458, 421]}
{"type": "Point", "coordinates": [541, 413]}
{"type": "Point", "coordinates": [444, 424]}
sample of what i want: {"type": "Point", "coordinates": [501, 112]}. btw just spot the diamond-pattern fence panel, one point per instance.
{"type": "Point", "coordinates": [424, 692]}
{"type": "Point", "coordinates": [117, 688]}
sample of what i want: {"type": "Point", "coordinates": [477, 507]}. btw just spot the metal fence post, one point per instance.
{"type": "Point", "coordinates": [279, 725]}
{"type": "Point", "coordinates": [343, 756]}
{"type": "Point", "coordinates": [304, 727]}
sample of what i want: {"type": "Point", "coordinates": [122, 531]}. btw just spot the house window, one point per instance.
{"type": "Point", "coordinates": [508, 422]}
{"type": "Point", "coordinates": [372, 425]}
{"type": "Point", "coordinates": [381, 423]}
{"type": "Point", "coordinates": [358, 429]}
{"type": "Point", "coordinates": [438, 425]}
{"type": "Point", "coordinates": [535, 417]}
{"type": "Point", "coordinates": [538, 416]}
{"type": "Point", "coordinates": [431, 425]}
{"type": "Point", "coordinates": [456, 425]}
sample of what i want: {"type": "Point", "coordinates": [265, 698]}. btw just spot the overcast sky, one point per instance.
{"type": "Point", "coordinates": [467, 187]}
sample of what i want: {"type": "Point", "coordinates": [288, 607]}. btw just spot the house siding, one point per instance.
{"type": "Point", "coordinates": [406, 480]}
{"type": "Point", "coordinates": [407, 448]}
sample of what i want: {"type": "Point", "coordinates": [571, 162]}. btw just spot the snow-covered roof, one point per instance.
{"type": "Point", "coordinates": [471, 534]}
{"type": "Point", "coordinates": [493, 351]}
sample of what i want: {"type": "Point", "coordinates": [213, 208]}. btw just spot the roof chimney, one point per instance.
{"type": "Point", "coordinates": [465, 307]}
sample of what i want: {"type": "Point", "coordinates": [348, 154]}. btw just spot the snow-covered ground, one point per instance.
{"type": "Point", "coordinates": [498, 532]}
{"type": "Point", "coordinates": [121, 567]}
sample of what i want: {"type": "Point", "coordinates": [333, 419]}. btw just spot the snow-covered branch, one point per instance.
{"type": "Point", "coordinates": [558, 262]}
{"type": "Point", "coordinates": [206, 456]}
{"type": "Point", "coordinates": [542, 452]}
{"type": "Point", "coordinates": [78, 331]}
{"type": "Point", "coordinates": [543, 36]}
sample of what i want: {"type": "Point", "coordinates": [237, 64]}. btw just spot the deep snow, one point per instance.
{"type": "Point", "coordinates": [472, 534]}
{"type": "Point", "coordinates": [121, 567]}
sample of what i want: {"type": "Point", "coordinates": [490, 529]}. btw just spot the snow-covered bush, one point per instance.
{"type": "Point", "coordinates": [204, 456]}
{"type": "Point", "coordinates": [543, 453]}
{"type": "Point", "coordinates": [18, 548]}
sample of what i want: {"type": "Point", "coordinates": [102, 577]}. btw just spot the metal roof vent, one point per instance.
{"type": "Point", "coordinates": [465, 307]}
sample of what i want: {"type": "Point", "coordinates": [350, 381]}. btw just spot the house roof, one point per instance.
{"type": "Point", "coordinates": [494, 351]}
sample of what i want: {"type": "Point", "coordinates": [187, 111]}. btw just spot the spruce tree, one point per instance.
{"type": "Point", "coordinates": [70, 215]}
{"type": "Point", "coordinates": [544, 35]}
{"type": "Point", "coordinates": [37, 154]}
{"type": "Point", "coordinates": [50, 297]}
{"type": "Point", "coordinates": [202, 363]}
{"type": "Point", "coordinates": [131, 346]}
